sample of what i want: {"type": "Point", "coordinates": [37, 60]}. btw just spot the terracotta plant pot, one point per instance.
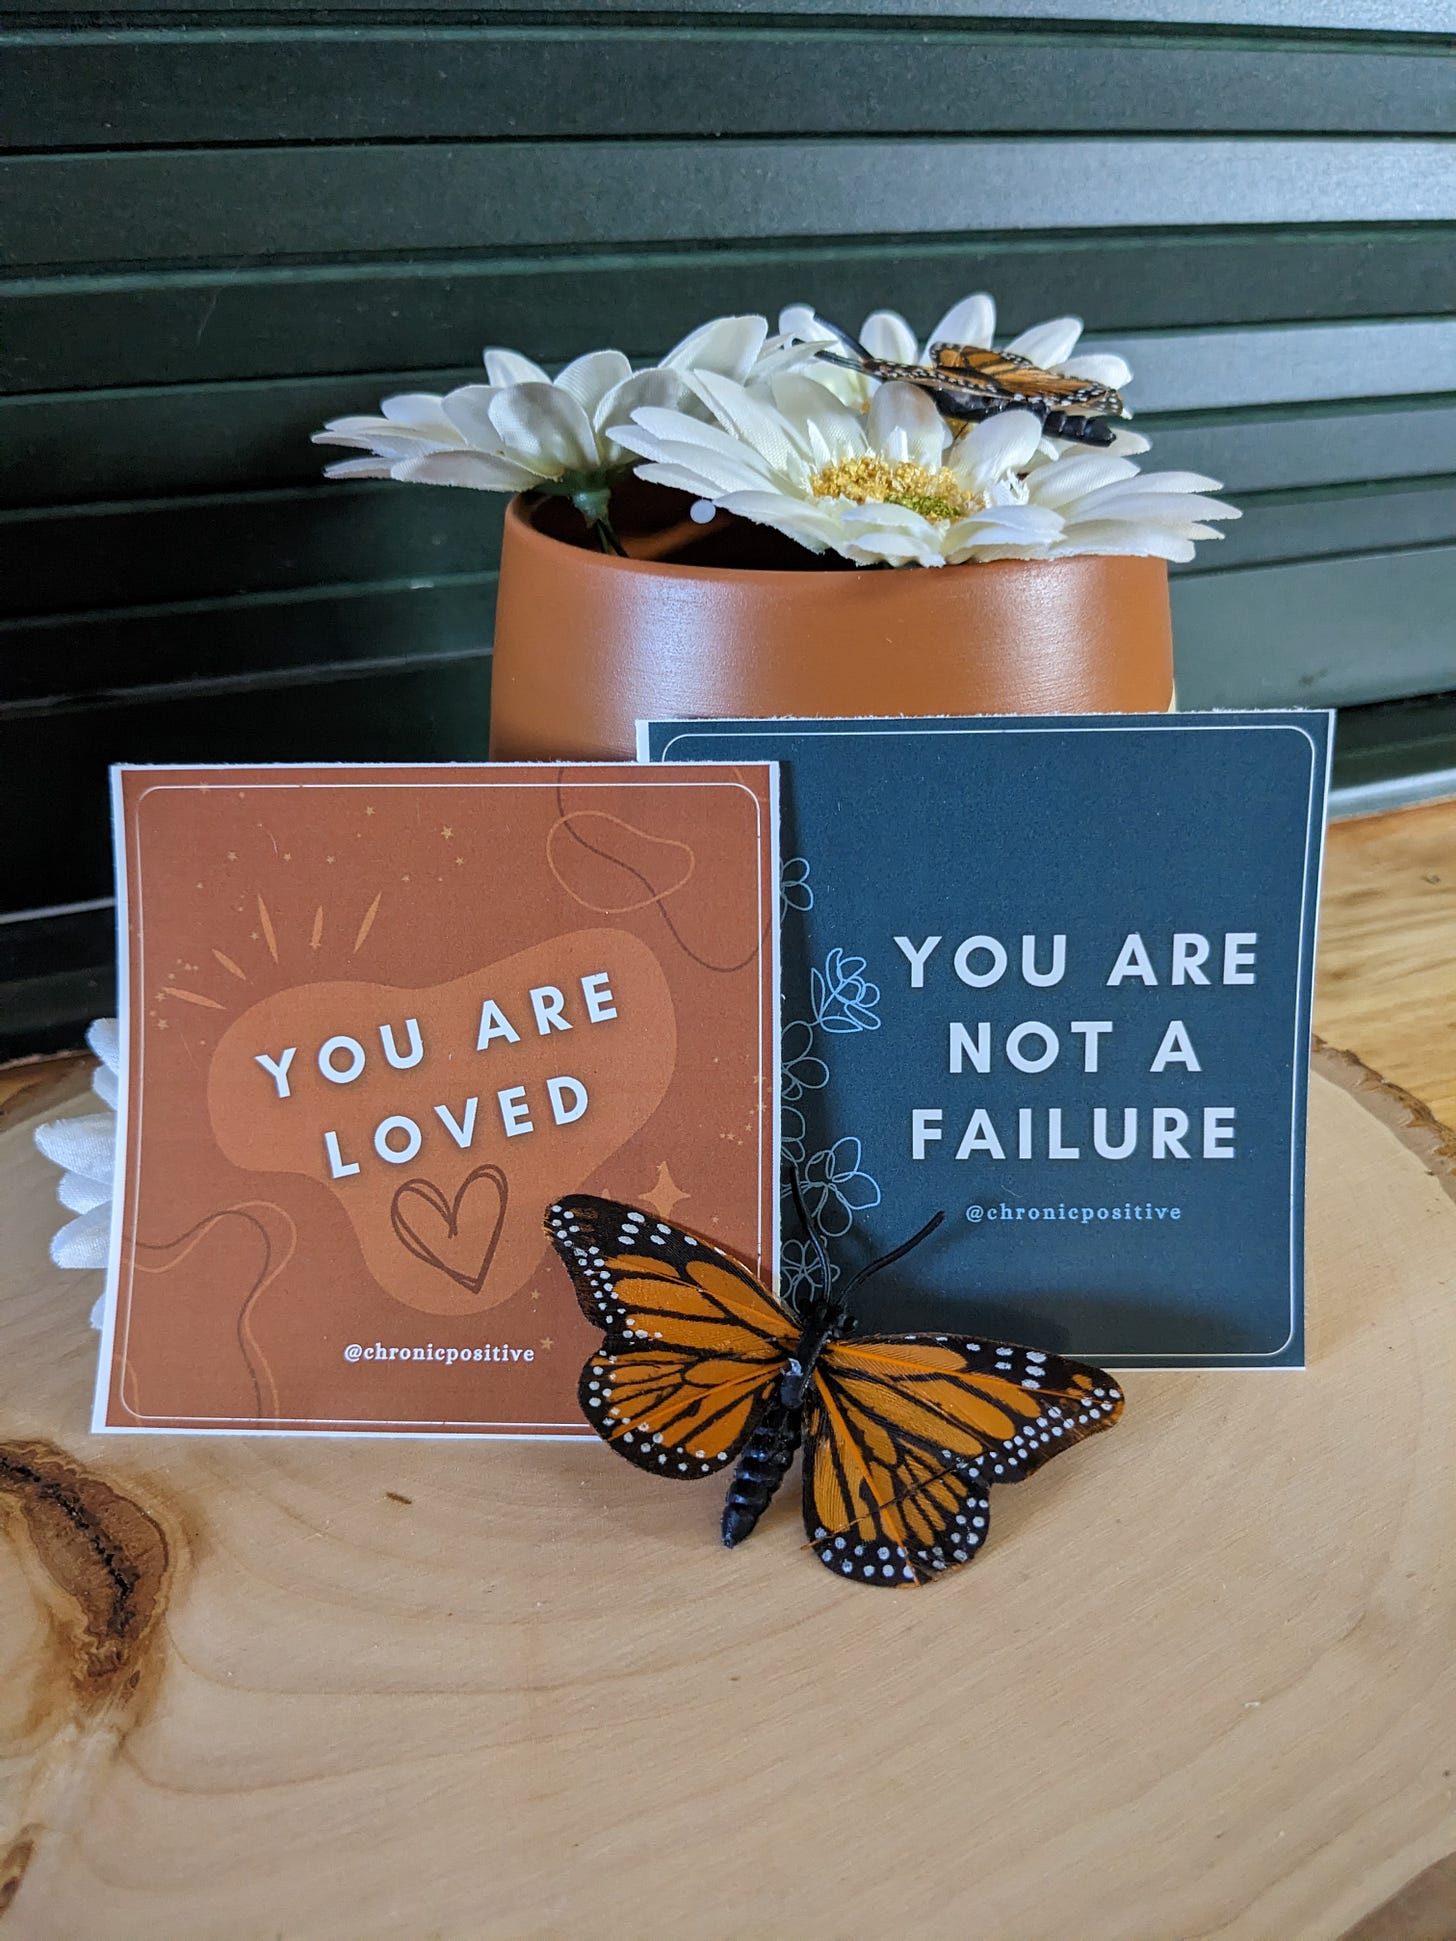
{"type": "Point", "coordinates": [586, 644]}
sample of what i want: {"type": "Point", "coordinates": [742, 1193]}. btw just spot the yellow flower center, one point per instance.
{"type": "Point", "coordinates": [870, 480]}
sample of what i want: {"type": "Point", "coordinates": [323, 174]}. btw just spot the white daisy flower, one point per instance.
{"type": "Point", "coordinates": [85, 1149]}
{"type": "Point", "coordinates": [885, 334]}
{"type": "Point", "coordinates": [521, 431]}
{"type": "Point", "coordinates": [887, 486]}
{"type": "Point", "coordinates": [894, 485]}
{"type": "Point", "coordinates": [525, 431]}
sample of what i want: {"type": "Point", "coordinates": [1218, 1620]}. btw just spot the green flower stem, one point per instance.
{"type": "Point", "coordinates": [593, 502]}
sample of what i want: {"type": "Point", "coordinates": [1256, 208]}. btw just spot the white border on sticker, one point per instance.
{"type": "Point", "coordinates": [129, 891]}
{"type": "Point", "coordinates": [1207, 722]}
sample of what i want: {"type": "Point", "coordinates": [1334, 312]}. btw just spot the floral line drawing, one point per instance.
{"type": "Point", "coordinates": [800, 1071]}
{"type": "Point", "coordinates": [836, 1187]}
{"type": "Point", "coordinates": [799, 1270]}
{"type": "Point", "coordinates": [843, 997]}
{"type": "Point", "coordinates": [795, 890]}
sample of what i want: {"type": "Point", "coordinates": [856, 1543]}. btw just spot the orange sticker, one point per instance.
{"type": "Point", "coordinates": [376, 1020]}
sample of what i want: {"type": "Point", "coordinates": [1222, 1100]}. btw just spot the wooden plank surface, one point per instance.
{"type": "Point", "coordinates": [1200, 1684]}
{"type": "Point", "coordinates": [1387, 949]}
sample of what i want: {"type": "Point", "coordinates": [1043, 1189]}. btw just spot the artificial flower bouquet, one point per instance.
{"type": "Point", "coordinates": [894, 455]}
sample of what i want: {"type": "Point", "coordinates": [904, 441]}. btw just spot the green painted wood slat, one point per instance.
{"type": "Point", "coordinates": [79, 332]}
{"type": "Point", "coordinates": [442, 708]}
{"type": "Point", "coordinates": [1328, 632]}
{"type": "Point", "coordinates": [232, 546]}
{"type": "Point", "coordinates": [176, 205]}
{"type": "Point", "coordinates": [438, 706]}
{"type": "Point", "coordinates": [267, 640]}
{"type": "Point", "coordinates": [156, 443]}
{"type": "Point", "coordinates": [113, 89]}
{"type": "Point", "coordinates": [282, 215]}
{"type": "Point", "coordinates": [188, 549]}
{"type": "Point", "coordinates": [1415, 18]}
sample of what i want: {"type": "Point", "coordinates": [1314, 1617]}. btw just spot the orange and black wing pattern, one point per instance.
{"type": "Point", "coordinates": [694, 1345]}
{"type": "Point", "coordinates": [905, 1434]}
{"type": "Point", "coordinates": [1003, 374]}
{"type": "Point", "coordinates": [970, 381]}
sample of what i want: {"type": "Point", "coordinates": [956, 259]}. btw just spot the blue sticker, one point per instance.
{"type": "Point", "coordinates": [1068, 1002]}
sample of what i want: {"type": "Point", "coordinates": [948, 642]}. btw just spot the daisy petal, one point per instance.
{"type": "Point", "coordinates": [797, 320]}
{"type": "Point", "coordinates": [504, 367]}
{"type": "Point", "coordinates": [104, 1038]}
{"type": "Point", "coordinates": [358, 468]}
{"type": "Point", "coordinates": [822, 423]}
{"type": "Point", "coordinates": [78, 1194]}
{"type": "Point", "coordinates": [1179, 482]}
{"type": "Point", "coordinates": [84, 1243]}
{"type": "Point", "coordinates": [1021, 525]}
{"type": "Point", "coordinates": [380, 436]}
{"type": "Point", "coordinates": [1070, 478]}
{"type": "Point", "coordinates": [1146, 542]}
{"type": "Point", "coordinates": [727, 345]}
{"type": "Point", "coordinates": [545, 428]}
{"type": "Point", "coordinates": [971, 321]}
{"type": "Point", "coordinates": [792, 517]}
{"type": "Point", "coordinates": [904, 424]}
{"type": "Point", "coordinates": [1128, 501]}
{"type": "Point", "coordinates": [887, 335]}
{"type": "Point", "coordinates": [665, 389]}
{"type": "Point", "coordinates": [479, 471]}
{"type": "Point", "coordinates": [467, 413]}
{"type": "Point", "coordinates": [85, 1145]}
{"type": "Point", "coordinates": [1046, 344]}
{"type": "Point", "coordinates": [1101, 366]}
{"type": "Point", "coordinates": [706, 473]}
{"type": "Point", "coordinates": [695, 480]}
{"type": "Point", "coordinates": [588, 379]}
{"type": "Point", "coordinates": [675, 437]}
{"type": "Point", "coordinates": [758, 425]}
{"type": "Point", "coordinates": [419, 408]}
{"type": "Point", "coordinates": [1000, 444]}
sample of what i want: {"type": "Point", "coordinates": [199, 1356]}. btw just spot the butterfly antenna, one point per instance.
{"type": "Point", "coordinates": [851, 345]}
{"type": "Point", "coordinates": [896, 1253]}
{"type": "Point", "coordinates": [806, 1221]}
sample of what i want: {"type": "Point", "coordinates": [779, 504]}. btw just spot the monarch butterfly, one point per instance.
{"type": "Point", "coordinates": [967, 381]}
{"type": "Point", "coordinates": [903, 1434]}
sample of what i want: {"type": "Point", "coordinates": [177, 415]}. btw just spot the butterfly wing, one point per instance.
{"type": "Point", "coordinates": [694, 1346]}
{"type": "Point", "coordinates": [1018, 379]}
{"type": "Point", "coordinates": [905, 1434]}
{"type": "Point", "coordinates": [966, 383]}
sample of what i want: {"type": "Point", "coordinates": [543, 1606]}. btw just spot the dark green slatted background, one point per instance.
{"type": "Point", "coordinates": [225, 224]}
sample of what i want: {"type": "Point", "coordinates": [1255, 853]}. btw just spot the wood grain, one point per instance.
{"type": "Point", "coordinates": [1387, 949]}
{"type": "Point", "coordinates": [1200, 1685]}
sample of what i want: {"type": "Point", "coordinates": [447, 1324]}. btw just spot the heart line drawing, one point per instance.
{"type": "Point", "coordinates": [448, 1213]}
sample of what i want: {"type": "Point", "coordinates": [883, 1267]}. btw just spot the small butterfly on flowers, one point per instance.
{"type": "Point", "coordinates": [967, 382]}
{"type": "Point", "coordinates": [903, 1435]}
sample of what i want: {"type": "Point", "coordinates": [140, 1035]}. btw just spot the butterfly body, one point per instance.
{"type": "Point", "coordinates": [763, 1465]}
{"type": "Point", "coordinates": [903, 1435]}
{"type": "Point", "coordinates": [968, 382]}
{"type": "Point", "coordinates": [776, 1437]}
